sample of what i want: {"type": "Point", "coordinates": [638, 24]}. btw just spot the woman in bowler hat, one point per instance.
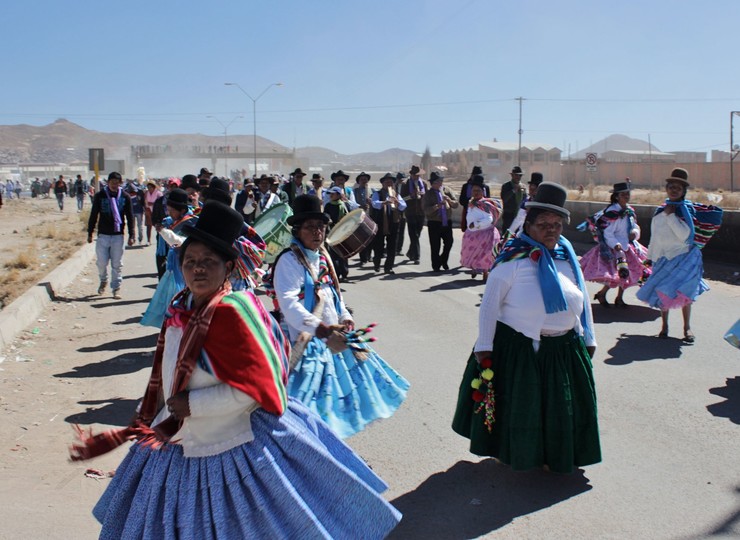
{"type": "Point", "coordinates": [527, 396]}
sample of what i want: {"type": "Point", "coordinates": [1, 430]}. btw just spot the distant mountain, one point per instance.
{"type": "Point", "coordinates": [615, 142]}
{"type": "Point", "coordinates": [64, 142]}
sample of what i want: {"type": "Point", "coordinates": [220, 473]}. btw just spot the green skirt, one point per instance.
{"type": "Point", "coordinates": [545, 409]}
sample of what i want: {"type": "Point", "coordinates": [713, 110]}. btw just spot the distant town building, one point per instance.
{"type": "Point", "coordinates": [497, 158]}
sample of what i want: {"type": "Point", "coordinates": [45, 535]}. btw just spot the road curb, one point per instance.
{"type": "Point", "coordinates": [25, 309]}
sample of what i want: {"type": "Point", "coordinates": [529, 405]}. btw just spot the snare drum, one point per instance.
{"type": "Point", "coordinates": [273, 227]}
{"type": "Point", "coordinates": [352, 234]}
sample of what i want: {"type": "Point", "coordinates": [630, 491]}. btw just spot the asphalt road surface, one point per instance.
{"type": "Point", "coordinates": [669, 414]}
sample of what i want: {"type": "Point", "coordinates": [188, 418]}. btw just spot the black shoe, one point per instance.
{"type": "Point", "coordinates": [446, 266]}
{"type": "Point", "coordinates": [416, 261]}
{"type": "Point", "coordinates": [377, 268]}
{"type": "Point", "coordinates": [389, 272]}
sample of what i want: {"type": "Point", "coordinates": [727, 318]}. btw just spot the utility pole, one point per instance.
{"type": "Point", "coordinates": [519, 152]}
{"type": "Point", "coordinates": [733, 151]}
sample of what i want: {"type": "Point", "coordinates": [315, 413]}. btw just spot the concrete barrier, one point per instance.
{"type": "Point", "coordinates": [25, 309]}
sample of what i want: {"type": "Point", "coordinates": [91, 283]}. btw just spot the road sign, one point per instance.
{"type": "Point", "coordinates": [591, 162]}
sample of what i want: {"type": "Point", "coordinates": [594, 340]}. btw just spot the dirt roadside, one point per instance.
{"type": "Point", "coordinates": [35, 238]}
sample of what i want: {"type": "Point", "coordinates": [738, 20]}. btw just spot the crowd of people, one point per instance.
{"type": "Point", "coordinates": [252, 405]}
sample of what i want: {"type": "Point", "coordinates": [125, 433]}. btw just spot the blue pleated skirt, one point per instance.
{"type": "Point", "coordinates": [296, 479]}
{"type": "Point", "coordinates": [172, 282]}
{"type": "Point", "coordinates": [345, 392]}
{"type": "Point", "coordinates": [676, 282]}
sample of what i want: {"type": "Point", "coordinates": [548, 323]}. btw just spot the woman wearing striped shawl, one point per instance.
{"type": "Point", "coordinates": [675, 241]}
{"type": "Point", "coordinates": [221, 451]}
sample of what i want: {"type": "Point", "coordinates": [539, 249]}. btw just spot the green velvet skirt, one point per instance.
{"type": "Point", "coordinates": [545, 404]}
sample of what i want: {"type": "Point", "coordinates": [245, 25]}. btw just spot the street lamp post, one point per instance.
{"type": "Point", "coordinates": [226, 140]}
{"type": "Point", "coordinates": [254, 112]}
{"type": "Point", "coordinates": [733, 151]}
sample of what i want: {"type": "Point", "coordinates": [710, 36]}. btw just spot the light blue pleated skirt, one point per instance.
{"type": "Point", "coordinates": [676, 282]}
{"type": "Point", "coordinates": [172, 282]}
{"type": "Point", "coordinates": [296, 479]}
{"type": "Point", "coordinates": [345, 392]}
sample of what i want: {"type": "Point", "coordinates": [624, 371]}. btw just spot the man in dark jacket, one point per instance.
{"type": "Point", "coordinates": [111, 212]}
{"type": "Point", "coordinates": [512, 193]}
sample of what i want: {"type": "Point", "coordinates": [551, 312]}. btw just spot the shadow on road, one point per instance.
{"type": "Point", "coordinates": [630, 314]}
{"type": "Point", "coordinates": [130, 320]}
{"type": "Point", "coordinates": [118, 365]}
{"type": "Point", "coordinates": [730, 408]}
{"type": "Point", "coordinates": [472, 499]}
{"type": "Point", "coordinates": [67, 300]}
{"type": "Point", "coordinates": [141, 342]}
{"type": "Point", "coordinates": [121, 303]}
{"type": "Point", "coordinates": [115, 412]}
{"type": "Point", "coordinates": [153, 275]}
{"type": "Point", "coordinates": [637, 348]}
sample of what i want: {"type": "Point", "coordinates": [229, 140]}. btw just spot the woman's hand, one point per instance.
{"type": "Point", "coordinates": [480, 355]}
{"type": "Point", "coordinates": [349, 325]}
{"type": "Point", "coordinates": [179, 405]}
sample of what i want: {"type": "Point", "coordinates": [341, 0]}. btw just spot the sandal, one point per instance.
{"type": "Point", "coordinates": [601, 298]}
{"type": "Point", "coordinates": [688, 336]}
{"type": "Point", "coordinates": [663, 334]}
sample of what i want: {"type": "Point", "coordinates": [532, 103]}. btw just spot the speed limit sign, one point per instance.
{"type": "Point", "coordinates": [591, 162]}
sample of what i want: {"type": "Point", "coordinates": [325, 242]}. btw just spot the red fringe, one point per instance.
{"type": "Point", "coordinates": [91, 446]}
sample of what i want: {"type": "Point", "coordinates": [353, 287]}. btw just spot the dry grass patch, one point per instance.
{"type": "Point", "coordinates": [24, 260]}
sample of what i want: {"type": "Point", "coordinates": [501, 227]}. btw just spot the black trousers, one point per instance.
{"type": "Point", "coordinates": [415, 225]}
{"type": "Point", "coordinates": [440, 236]}
{"type": "Point", "coordinates": [389, 240]}
{"type": "Point", "coordinates": [400, 234]}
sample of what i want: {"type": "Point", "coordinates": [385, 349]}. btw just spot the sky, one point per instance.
{"type": "Point", "coordinates": [368, 76]}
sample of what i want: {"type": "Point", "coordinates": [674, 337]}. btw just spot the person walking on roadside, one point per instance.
{"type": "Point", "coordinates": [412, 192]}
{"type": "Point", "coordinates": [9, 188]}
{"type": "Point", "coordinates": [79, 189]}
{"type": "Point", "coordinates": [386, 211]}
{"type": "Point", "coordinates": [512, 193]}
{"type": "Point", "coordinates": [137, 205]}
{"type": "Point", "coordinates": [438, 203]}
{"type": "Point", "coordinates": [111, 212]}
{"type": "Point", "coordinates": [60, 190]}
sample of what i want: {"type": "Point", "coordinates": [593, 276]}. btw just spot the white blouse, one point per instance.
{"type": "Point", "coordinates": [668, 235]}
{"type": "Point", "coordinates": [618, 232]}
{"type": "Point", "coordinates": [513, 296]}
{"type": "Point", "coordinates": [220, 415]}
{"type": "Point", "coordinates": [288, 279]}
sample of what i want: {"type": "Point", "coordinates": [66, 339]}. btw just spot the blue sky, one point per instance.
{"type": "Point", "coordinates": [366, 76]}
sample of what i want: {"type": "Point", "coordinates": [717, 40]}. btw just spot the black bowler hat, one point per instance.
{"type": "Point", "coordinates": [517, 170]}
{"type": "Point", "coordinates": [189, 181]}
{"type": "Point", "coordinates": [218, 190]}
{"type": "Point", "coordinates": [177, 198]}
{"type": "Point", "coordinates": [298, 172]}
{"type": "Point", "coordinates": [435, 176]}
{"type": "Point", "coordinates": [620, 187]}
{"type": "Point", "coordinates": [415, 170]}
{"type": "Point", "coordinates": [400, 176]}
{"type": "Point", "coordinates": [316, 177]}
{"type": "Point", "coordinates": [478, 180]}
{"type": "Point", "coordinates": [205, 171]}
{"type": "Point", "coordinates": [217, 227]}
{"type": "Point", "coordinates": [550, 196]}
{"type": "Point", "coordinates": [339, 174]}
{"type": "Point", "coordinates": [679, 175]}
{"type": "Point", "coordinates": [307, 207]}
{"type": "Point", "coordinates": [536, 178]}
{"type": "Point", "coordinates": [476, 170]}
{"type": "Point", "coordinates": [361, 175]}
{"type": "Point", "coordinates": [388, 176]}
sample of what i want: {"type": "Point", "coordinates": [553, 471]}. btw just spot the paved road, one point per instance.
{"type": "Point", "coordinates": [669, 414]}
